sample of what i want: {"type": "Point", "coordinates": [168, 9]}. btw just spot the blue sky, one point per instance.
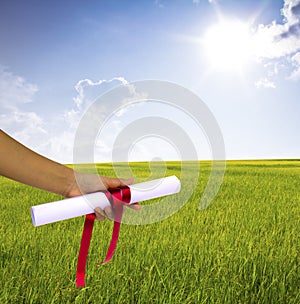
{"type": "Point", "coordinates": [251, 85]}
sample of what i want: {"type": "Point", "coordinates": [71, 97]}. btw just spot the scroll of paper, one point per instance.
{"type": "Point", "coordinates": [85, 204]}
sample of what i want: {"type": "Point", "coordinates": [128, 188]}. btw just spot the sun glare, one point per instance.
{"type": "Point", "coordinates": [228, 45]}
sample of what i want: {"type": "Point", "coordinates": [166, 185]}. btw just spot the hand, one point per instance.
{"type": "Point", "coordinates": [87, 183]}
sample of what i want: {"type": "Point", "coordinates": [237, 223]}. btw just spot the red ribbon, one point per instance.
{"type": "Point", "coordinates": [117, 198]}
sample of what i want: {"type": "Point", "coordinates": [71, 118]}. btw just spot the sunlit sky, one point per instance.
{"type": "Point", "coordinates": [242, 58]}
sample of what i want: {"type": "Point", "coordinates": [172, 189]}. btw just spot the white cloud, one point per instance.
{"type": "Point", "coordinates": [291, 11]}
{"type": "Point", "coordinates": [159, 4]}
{"type": "Point", "coordinates": [15, 92]}
{"type": "Point", "coordinates": [296, 63]}
{"type": "Point", "coordinates": [265, 83]}
{"type": "Point", "coordinates": [52, 136]}
{"type": "Point", "coordinates": [87, 92]}
{"type": "Point", "coordinates": [107, 116]}
{"type": "Point", "coordinates": [280, 41]}
{"type": "Point", "coordinates": [14, 89]}
{"type": "Point", "coordinates": [82, 84]}
{"type": "Point", "coordinates": [209, 1]}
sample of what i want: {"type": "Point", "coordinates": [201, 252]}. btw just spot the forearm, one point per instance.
{"type": "Point", "coordinates": [22, 164]}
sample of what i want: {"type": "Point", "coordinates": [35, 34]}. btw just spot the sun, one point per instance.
{"type": "Point", "coordinates": [228, 45]}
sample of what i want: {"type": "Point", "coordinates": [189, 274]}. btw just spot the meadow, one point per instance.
{"type": "Point", "coordinates": [244, 248]}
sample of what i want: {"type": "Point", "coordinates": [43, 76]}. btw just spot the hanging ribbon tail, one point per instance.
{"type": "Point", "coordinates": [117, 198]}
{"type": "Point", "coordinates": [84, 249]}
{"type": "Point", "coordinates": [115, 234]}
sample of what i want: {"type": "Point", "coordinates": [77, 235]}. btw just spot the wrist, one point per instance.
{"type": "Point", "coordinates": [70, 188]}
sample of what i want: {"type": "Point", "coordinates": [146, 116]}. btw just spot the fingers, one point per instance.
{"type": "Point", "coordinates": [108, 212]}
{"type": "Point", "coordinates": [103, 214]}
{"type": "Point", "coordinates": [126, 181]}
{"type": "Point", "coordinates": [135, 206]}
{"type": "Point", "coordinates": [100, 216]}
{"type": "Point", "coordinates": [117, 182]}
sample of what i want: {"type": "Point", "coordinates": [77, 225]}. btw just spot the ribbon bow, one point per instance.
{"type": "Point", "coordinates": [117, 198]}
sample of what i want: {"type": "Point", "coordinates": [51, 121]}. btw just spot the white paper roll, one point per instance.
{"type": "Point", "coordinates": [85, 204]}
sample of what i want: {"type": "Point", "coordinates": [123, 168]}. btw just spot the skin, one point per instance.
{"type": "Point", "coordinates": [21, 164]}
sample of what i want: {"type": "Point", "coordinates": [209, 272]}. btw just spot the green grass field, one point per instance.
{"type": "Point", "coordinates": [244, 248]}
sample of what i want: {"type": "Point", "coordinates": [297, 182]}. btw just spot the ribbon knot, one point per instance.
{"type": "Point", "coordinates": [117, 197]}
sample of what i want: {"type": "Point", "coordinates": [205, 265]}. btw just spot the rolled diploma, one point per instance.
{"type": "Point", "coordinates": [85, 204]}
